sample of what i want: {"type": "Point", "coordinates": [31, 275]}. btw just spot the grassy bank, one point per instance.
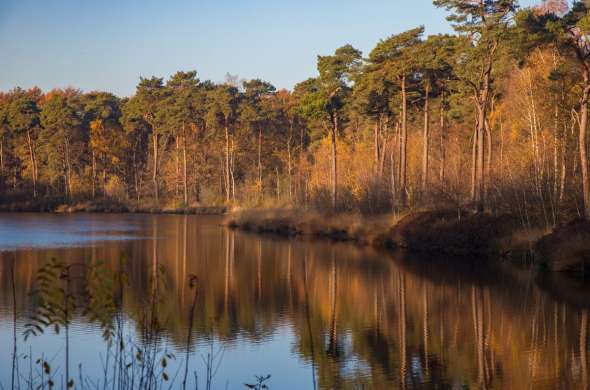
{"type": "Point", "coordinates": [451, 232]}
{"type": "Point", "coordinates": [566, 248]}
{"type": "Point", "coordinates": [363, 230]}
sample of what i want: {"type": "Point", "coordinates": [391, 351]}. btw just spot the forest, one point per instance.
{"type": "Point", "coordinates": [493, 117]}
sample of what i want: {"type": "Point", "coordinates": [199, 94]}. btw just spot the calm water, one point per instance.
{"type": "Point", "coordinates": [313, 315]}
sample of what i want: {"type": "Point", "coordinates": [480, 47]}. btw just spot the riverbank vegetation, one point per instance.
{"type": "Point", "coordinates": [493, 118]}
{"type": "Point", "coordinates": [444, 232]}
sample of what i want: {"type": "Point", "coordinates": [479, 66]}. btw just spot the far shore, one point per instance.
{"type": "Point", "coordinates": [455, 233]}
{"type": "Point", "coordinates": [105, 206]}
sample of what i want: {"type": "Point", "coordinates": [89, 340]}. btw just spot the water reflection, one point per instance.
{"type": "Point", "coordinates": [319, 315]}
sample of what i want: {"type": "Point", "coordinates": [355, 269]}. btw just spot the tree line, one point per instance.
{"type": "Point", "coordinates": [494, 116]}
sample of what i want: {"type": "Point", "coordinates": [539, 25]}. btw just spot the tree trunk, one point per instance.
{"type": "Point", "coordinates": [290, 163]}
{"type": "Point", "coordinates": [104, 181]}
{"type": "Point", "coordinates": [383, 149]}
{"type": "Point", "coordinates": [382, 159]}
{"type": "Point", "coordinates": [177, 165]}
{"type": "Point", "coordinates": [398, 140]}
{"type": "Point", "coordinates": [233, 179]}
{"type": "Point", "coordinates": [334, 169]}
{"type": "Point", "coordinates": [2, 179]}
{"type": "Point", "coordinates": [222, 176]}
{"type": "Point", "coordinates": [65, 177]}
{"type": "Point", "coordinates": [184, 174]}
{"type": "Point", "coordinates": [479, 166]}
{"type": "Point", "coordinates": [563, 169]}
{"type": "Point", "coordinates": [403, 145]}
{"type": "Point", "coordinates": [442, 140]}
{"type": "Point", "coordinates": [155, 170]}
{"type": "Point", "coordinates": [583, 146]}
{"type": "Point", "coordinates": [135, 175]}
{"type": "Point", "coordinates": [278, 184]}
{"type": "Point", "coordinates": [392, 174]}
{"type": "Point", "coordinates": [93, 175]}
{"type": "Point", "coordinates": [425, 140]}
{"type": "Point", "coordinates": [33, 162]}
{"type": "Point", "coordinates": [260, 163]}
{"type": "Point", "coordinates": [556, 139]}
{"type": "Point", "coordinates": [300, 184]}
{"type": "Point", "coordinates": [1, 156]}
{"type": "Point", "coordinates": [482, 107]}
{"type": "Point", "coordinates": [68, 166]}
{"type": "Point", "coordinates": [227, 169]}
{"type": "Point", "coordinates": [473, 164]}
{"type": "Point", "coordinates": [488, 169]}
{"type": "Point", "coordinates": [376, 141]}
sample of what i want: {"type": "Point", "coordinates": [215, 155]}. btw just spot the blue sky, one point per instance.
{"type": "Point", "coordinates": [108, 44]}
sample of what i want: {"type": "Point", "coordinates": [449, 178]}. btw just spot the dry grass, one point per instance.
{"type": "Point", "coordinates": [452, 231]}
{"type": "Point", "coordinates": [105, 205]}
{"type": "Point", "coordinates": [364, 230]}
{"type": "Point", "coordinates": [97, 206]}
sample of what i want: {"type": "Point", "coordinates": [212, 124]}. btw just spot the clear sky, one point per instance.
{"type": "Point", "coordinates": [108, 44]}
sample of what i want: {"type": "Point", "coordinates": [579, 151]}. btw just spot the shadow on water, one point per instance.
{"type": "Point", "coordinates": [571, 290]}
{"type": "Point", "coordinates": [228, 308]}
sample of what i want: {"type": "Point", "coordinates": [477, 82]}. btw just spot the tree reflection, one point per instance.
{"type": "Point", "coordinates": [359, 318]}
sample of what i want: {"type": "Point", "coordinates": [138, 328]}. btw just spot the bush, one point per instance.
{"type": "Point", "coordinates": [115, 188]}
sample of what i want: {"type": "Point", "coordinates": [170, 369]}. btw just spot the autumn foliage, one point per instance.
{"type": "Point", "coordinates": [493, 117]}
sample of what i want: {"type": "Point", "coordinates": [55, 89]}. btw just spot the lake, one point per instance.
{"type": "Point", "coordinates": [312, 315]}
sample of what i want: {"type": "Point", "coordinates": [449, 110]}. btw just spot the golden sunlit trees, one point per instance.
{"type": "Point", "coordinates": [222, 115]}
{"type": "Point", "coordinates": [146, 107]}
{"type": "Point", "coordinates": [180, 116]}
{"type": "Point", "coordinates": [256, 115]}
{"type": "Point", "coordinates": [62, 134]}
{"type": "Point", "coordinates": [484, 27]}
{"type": "Point", "coordinates": [434, 65]}
{"type": "Point", "coordinates": [24, 120]}
{"type": "Point", "coordinates": [396, 59]}
{"type": "Point", "coordinates": [106, 142]}
{"type": "Point", "coordinates": [537, 138]}
{"type": "Point", "coordinates": [324, 99]}
{"type": "Point", "coordinates": [509, 89]}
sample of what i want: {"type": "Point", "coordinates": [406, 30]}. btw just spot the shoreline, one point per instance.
{"type": "Point", "coordinates": [390, 231]}
{"type": "Point", "coordinates": [106, 207]}
{"type": "Point", "coordinates": [451, 233]}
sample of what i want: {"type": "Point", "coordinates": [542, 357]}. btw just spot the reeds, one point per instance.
{"type": "Point", "coordinates": [365, 230]}
{"type": "Point", "coordinates": [128, 363]}
{"type": "Point", "coordinates": [451, 231]}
